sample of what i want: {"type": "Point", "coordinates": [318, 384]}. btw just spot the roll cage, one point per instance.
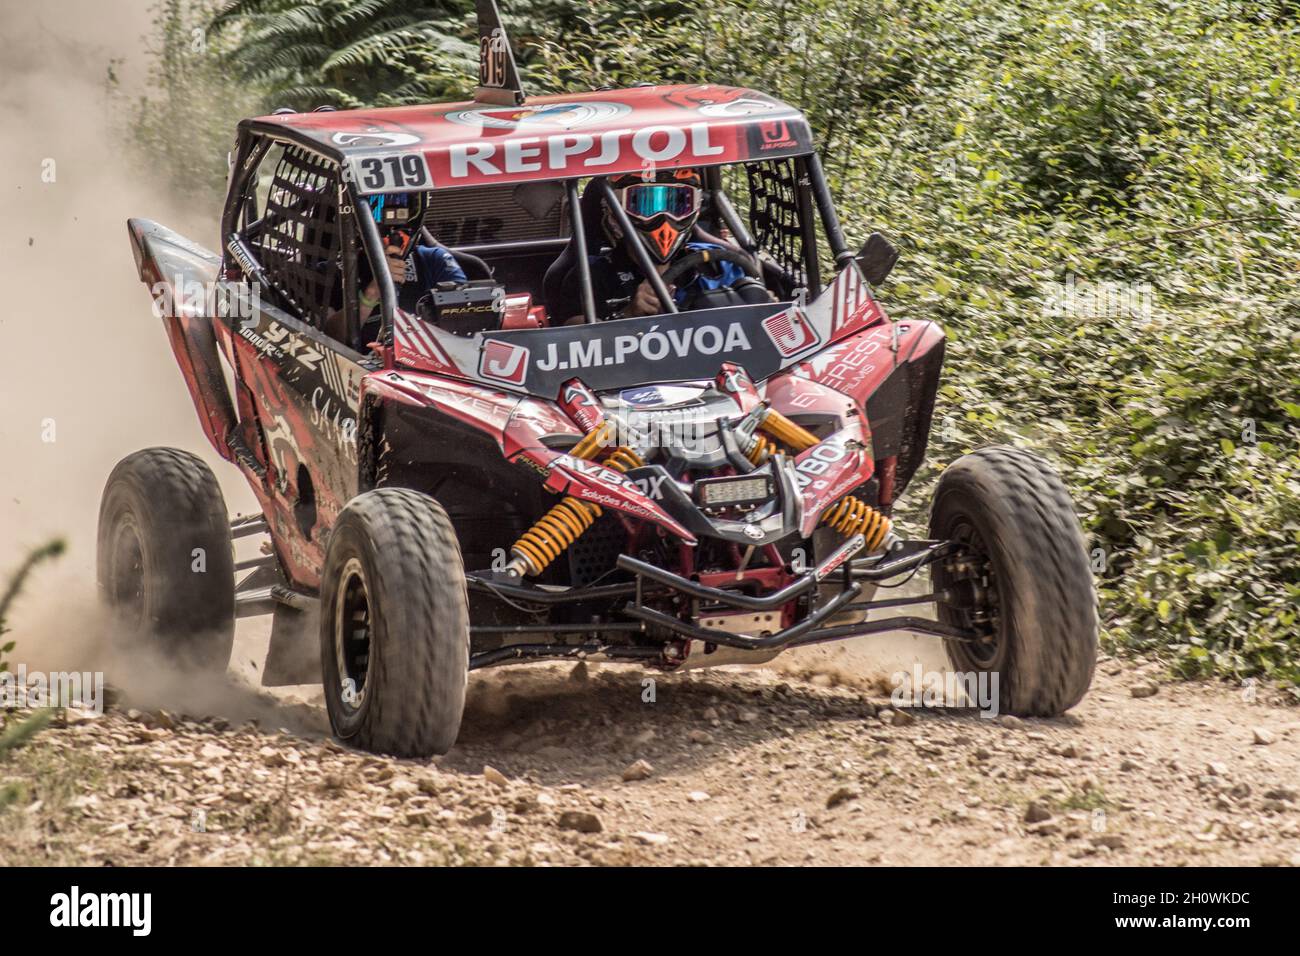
{"type": "Point", "coordinates": [316, 199]}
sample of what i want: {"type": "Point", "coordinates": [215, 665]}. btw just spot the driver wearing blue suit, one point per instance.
{"type": "Point", "coordinates": [414, 269]}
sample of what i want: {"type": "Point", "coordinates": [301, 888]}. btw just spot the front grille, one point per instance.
{"type": "Point", "coordinates": [595, 551]}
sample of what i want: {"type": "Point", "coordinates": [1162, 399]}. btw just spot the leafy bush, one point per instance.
{"type": "Point", "coordinates": [349, 53]}
{"type": "Point", "coordinates": [15, 586]}
{"type": "Point", "coordinates": [179, 131]}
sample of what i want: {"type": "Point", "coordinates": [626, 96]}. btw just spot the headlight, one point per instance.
{"type": "Point", "coordinates": [718, 493]}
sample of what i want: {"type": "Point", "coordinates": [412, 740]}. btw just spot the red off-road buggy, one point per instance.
{"type": "Point", "coordinates": [477, 484]}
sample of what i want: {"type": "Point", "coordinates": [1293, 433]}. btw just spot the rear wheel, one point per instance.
{"type": "Point", "coordinates": [165, 564]}
{"type": "Point", "coordinates": [394, 625]}
{"type": "Point", "coordinates": [1019, 579]}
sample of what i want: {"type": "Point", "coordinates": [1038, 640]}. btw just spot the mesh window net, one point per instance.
{"type": "Point", "coordinates": [299, 243]}
{"type": "Point", "coordinates": [774, 215]}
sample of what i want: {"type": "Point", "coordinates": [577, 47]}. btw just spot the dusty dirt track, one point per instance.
{"type": "Point", "coordinates": [743, 767]}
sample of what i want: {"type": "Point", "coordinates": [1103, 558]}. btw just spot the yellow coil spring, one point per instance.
{"type": "Point", "coordinates": [553, 533]}
{"type": "Point", "coordinates": [762, 449]}
{"type": "Point", "coordinates": [623, 459]}
{"type": "Point", "coordinates": [593, 441]}
{"type": "Point", "coordinates": [852, 516]}
{"type": "Point", "coordinates": [560, 527]}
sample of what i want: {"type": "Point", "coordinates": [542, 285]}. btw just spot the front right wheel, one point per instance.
{"type": "Point", "coordinates": [1018, 580]}
{"type": "Point", "coordinates": [394, 625]}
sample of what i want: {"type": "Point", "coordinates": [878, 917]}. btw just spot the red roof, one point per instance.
{"type": "Point", "coordinates": [604, 132]}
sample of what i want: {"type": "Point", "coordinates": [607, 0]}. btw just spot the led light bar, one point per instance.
{"type": "Point", "coordinates": [716, 493]}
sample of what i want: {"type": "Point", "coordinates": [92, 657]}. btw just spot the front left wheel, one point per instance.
{"type": "Point", "coordinates": [394, 625]}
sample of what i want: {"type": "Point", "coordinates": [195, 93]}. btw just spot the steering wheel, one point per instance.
{"type": "Point", "coordinates": [693, 260]}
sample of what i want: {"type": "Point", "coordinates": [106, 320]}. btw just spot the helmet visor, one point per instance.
{"type": "Point", "coordinates": [647, 200]}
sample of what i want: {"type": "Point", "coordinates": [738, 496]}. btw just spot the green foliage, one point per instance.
{"type": "Point", "coordinates": [19, 578]}
{"type": "Point", "coordinates": [12, 792]}
{"type": "Point", "coordinates": [348, 53]}
{"type": "Point", "coordinates": [23, 731]}
{"type": "Point", "coordinates": [180, 130]}
{"type": "Point", "coordinates": [19, 733]}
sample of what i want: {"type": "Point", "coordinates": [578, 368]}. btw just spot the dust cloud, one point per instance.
{"type": "Point", "coordinates": [86, 373]}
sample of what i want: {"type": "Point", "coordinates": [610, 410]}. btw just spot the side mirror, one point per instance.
{"type": "Point", "coordinates": [877, 258]}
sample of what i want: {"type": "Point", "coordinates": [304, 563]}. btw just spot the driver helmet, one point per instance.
{"type": "Point", "coordinates": [399, 217]}
{"type": "Point", "coordinates": [662, 207]}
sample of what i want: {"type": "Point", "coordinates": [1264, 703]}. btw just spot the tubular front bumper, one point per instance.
{"type": "Point", "coordinates": [609, 639]}
{"type": "Point", "coordinates": [807, 631]}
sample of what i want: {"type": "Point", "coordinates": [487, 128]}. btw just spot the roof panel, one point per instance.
{"type": "Point", "coordinates": [603, 132]}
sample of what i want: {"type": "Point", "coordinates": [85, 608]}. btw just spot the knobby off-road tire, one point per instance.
{"type": "Point", "coordinates": [165, 565]}
{"type": "Point", "coordinates": [394, 625]}
{"type": "Point", "coordinates": [1023, 572]}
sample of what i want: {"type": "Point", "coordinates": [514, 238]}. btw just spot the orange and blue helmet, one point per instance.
{"type": "Point", "coordinates": [663, 207]}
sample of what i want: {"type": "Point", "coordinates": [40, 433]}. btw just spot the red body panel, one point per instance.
{"type": "Point", "coordinates": [290, 443]}
{"type": "Point", "coordinates": [604, 132]}
{"type": "Point", "coordinates": [180, 275]}
{"type": "Point", "coordinates": [483, 408]}
{"type": "Point", "coordinates": [607, 488]}
{"type": "Point", "coordinates": [830, 470]}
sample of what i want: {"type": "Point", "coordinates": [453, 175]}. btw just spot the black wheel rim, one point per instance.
{"type": "Point", "coordinates": [352, 635]}
{"type": "Point", "coordinates": [971, 576]}
{"type": "Point", "coordinates": [127, 581]}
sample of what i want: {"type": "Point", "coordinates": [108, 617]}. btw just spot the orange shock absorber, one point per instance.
{"type": "Point", "coordinates": [850, 515]}
{"type": "Point", "coordinates": [786, 431]}
{"type": "Point", "coordinates": [593, 441]}
{"type": "Point", "coordinates": [556, 530]}
{"type": "Point", "coordinates": [623, 459]}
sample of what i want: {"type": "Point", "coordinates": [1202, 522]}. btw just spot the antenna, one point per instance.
{"type": "Point", "coordinates": [498, 78]}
